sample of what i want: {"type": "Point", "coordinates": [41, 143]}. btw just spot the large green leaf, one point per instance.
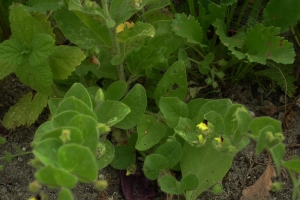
{"type": "Point", "coordinates": [43, 6]}
{"type": "Point", "coordinates": [6, 69]}
{"type": "Point", "coordinates": [150, 131]}
{"type": "Point", "coordinates": [106, 158]}
{"type": "Point", "coordinates": [80, 92]}
{"type": "Point", "coordinates": [88, 127]}
{"type": "Point", "coordinates": [208, 164]}
{"type": "Point", "coordinates": [156, 51]}
{"type": "Point", "coordinates": [116, 90]}
{"type": "Point", "coordinates": [172, 151]}
{"type": "Point", "coordinates": [281, 14]}
{"type": "Point", "coordinates": [136, 100]}
{"type": "Point", "coordinates": [55, 177]}
{"type": "Point", "coordinates": [124, 157]}
{"type": "Point", "coordinates": [111, 112]}
{"type": "Point", "coordinates": [188, 28]}
{"type": "Point", "coordinates": [65, 194]}
{"type": "Point", "coordinates": [83, 29]}
{"type": "Point", "coordinates": [122, 10]}
{"type": "Point", "coordinates": [41, 46]}
{"type": "Point", "coordinates": [88, 7]}
{"type": "Point", "coordinates": [74, 104]}
{"type": "Point", "coordinates": [132, 38]}
{"type": "Point", "coordinates": [46, 151]}
{"type": "Point", "coordinates": [173, 83]}
{"type": "Point", "coordinates": [153, 164]}
{"type": "Point", "coordinates": [173, 108]}
{"type": "Point", "coordinates": [26, 111]}
{"type": "Point", "coordinates": [64, 60]}
{"type": "Point", "coordinates": [79, 161]}
{"type": "Point", "coordinates": [12, 53]}
{"type": "Point", "coordinates": [39, 77]}
{"type": "Point", "coordinates": [23, 25]}
{"type": "Point", "coordinates": [262, 43]}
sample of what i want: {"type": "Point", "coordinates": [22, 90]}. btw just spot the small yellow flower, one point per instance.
{"type": "Point", "coordinates": [202, 126]}
{"type": "Point", "coordinates": [137, 3]}
{"type": "Point", "coordinates": [121, 27]}
{"type": "Point", "coordinates": [129, 24]}
{"type": "Point", "coordinates": [219, 139]}
{"type": "Point", "coordinates": [201, 139]}
{"type": "Point", "coordinates": [65, 135]}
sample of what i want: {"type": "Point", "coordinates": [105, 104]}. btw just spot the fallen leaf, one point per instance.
{"type": "Point", "coordinates": [260, 189]}
{"type": "Point", "coordinates": [269, 109]}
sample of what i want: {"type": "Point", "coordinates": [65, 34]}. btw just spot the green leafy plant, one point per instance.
{"type": "Point", "coordinates": [228, 46]}
{"type": "Point", "coordinates": [140, 56]}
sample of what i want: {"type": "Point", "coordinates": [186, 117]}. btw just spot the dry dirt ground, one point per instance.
{"type": "Point", "coordinates": [245, 171]}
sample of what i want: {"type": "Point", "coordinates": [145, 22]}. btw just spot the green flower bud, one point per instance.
{"type": "Point", "coordinates": [276, 186]}
{"type": "Point", "coordinates": [34, 186]}
{"type": "Point", "coordinates": [217, 189]}
{"type": "Point", "coordinates": [101, 185]}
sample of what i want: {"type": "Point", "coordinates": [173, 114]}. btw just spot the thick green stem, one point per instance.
{"type": "Point", "coordinates": [120, 68]}
{"type": "Point", "coordinates": [192, 7]}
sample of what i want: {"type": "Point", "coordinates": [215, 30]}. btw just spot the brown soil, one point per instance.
{"type": "Point", "coordinates": [246, 169]}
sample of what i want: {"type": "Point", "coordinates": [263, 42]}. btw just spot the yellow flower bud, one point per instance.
{"type": "Point", "coordinates": [202, 126]}
{"type": "Point", "coordinates": [201, 139]}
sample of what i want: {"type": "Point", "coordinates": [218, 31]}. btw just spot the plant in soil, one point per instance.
{"type": "Point", "coordinates": [121, 69]}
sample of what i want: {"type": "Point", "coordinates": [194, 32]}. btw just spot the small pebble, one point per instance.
{"type": "Point", "coordinates": [281, 99]}
{"type": "Point", "coordinates": [20, 159]}
{"type": "Point", "coordinates": [24, 149]}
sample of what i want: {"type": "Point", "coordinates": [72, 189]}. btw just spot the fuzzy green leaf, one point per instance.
{"type": "Point", "coordinates": [198, 160]}
{"type": "Point", "coordinates": [80, 92]}
{"type": "Point", "coordinates": [124, 157]}
{"type": "Point", "coordinates": [55, 177]}
{"type": "Point", "coordinates": [82, 29]}
{"type": "Point", "coordinates": [282, 14]}
{"type": "Point", "coordinates": [136, 100]}
{"type": "Point", "coordinates": [116, 90]}
{"type": "Point", "coordinates": [23, 25]}
{"type": "Point", "coordinates": [157, 50]}
{"type": "Point", "coordinates": [46, 25]}
{"type": "Point", "coordinates": [64, 60]}
{"type": "Point", "coordinates": [172, 151]}
{"type": "Point", "coordinates": [26, 111]}
{"type": "Point", "coordinates": [39, 77]}
{"type": "Point", "coordinates": [150, 132]}
{"type": "Point", "coordinates": [132, 38]}
{"type": "Point", "coordinates": [46, 151]}
{"type": "Point", "coordinates": [153, 164]}
{"type": "Point", "coordinates": [173, 83]}
{"type": "Point", "coordinates": [65, 194]}
{"type": "Point", "coordinates": [43, 6]}
{"type": "Point", "coordinates": [41, 46]}
{"type": "Point", "coordinates": [111, 112]}
{"type": "Point", "coordinates": [6, 69]}
{"type": "Point", "coordinates": [262, 43]}
{"type": "Point", "coordinates": [88, 7]}
{"type": "Point", "coordinates": [13, 52]}
{"type": "Point", "coordinates": [122, 10]}
{"type": "Point", "coordinates": [231, 42]}
{"type": "Point", "coordinates": [173, 108]}
{"type": "Point", "coordinates": [187, 27]}
{"type": "Point", "coordinates": [106, 158]}
{"type": "Point", "coordinates": [79, 161]}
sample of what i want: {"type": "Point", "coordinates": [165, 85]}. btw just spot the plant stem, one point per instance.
{"type": "Point", "coordinates": [192, 7]}
{"type": "Point", "coordinates": [172, 7]}
{"type": "Point", "coordinates": [120, 68]}
{"type": "Point", "coordinates": [241, 14]}
{"type": "Point", "coordinates": [19, 154]}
